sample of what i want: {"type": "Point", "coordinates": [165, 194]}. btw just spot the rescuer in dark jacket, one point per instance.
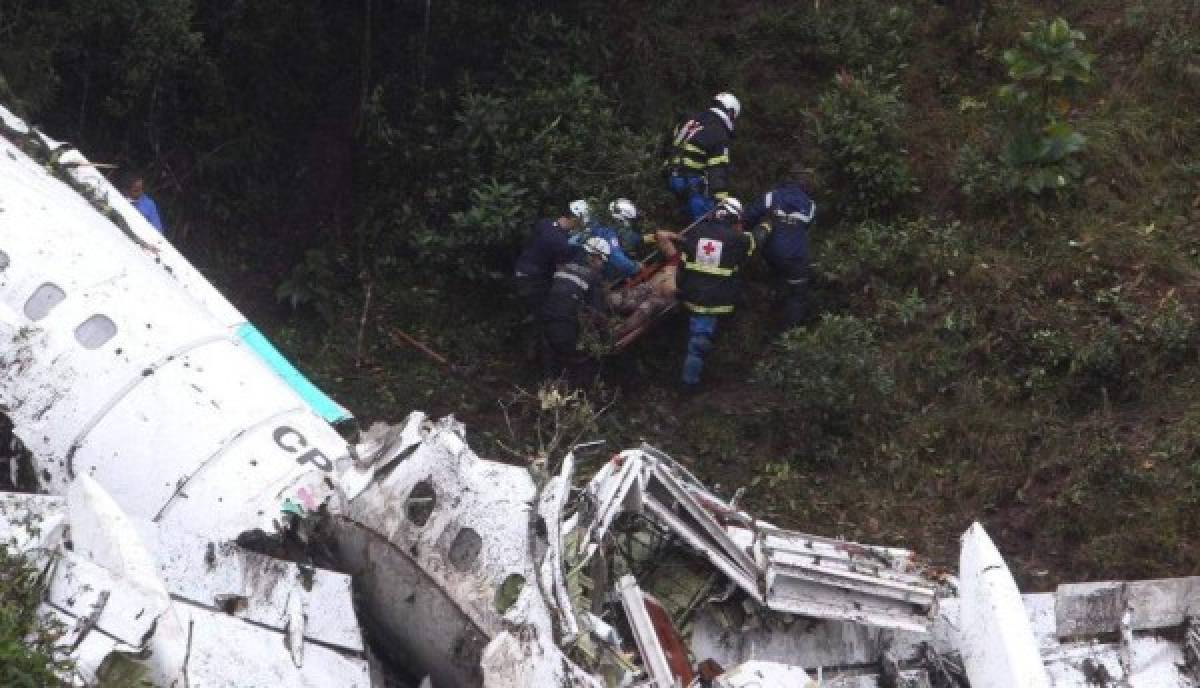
{"type": "Point", "coordinates": [698, 167]}
{"type": "Point", "coordinates": [713, 253]}
{"type": "Point", "coordinates": [547, 247]}
{"type": "Point", "coordinates": [576, 288]}
{"type": "Point", "coordinates": [783, 216]}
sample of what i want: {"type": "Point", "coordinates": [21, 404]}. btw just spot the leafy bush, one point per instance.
{"type": "Point", "coordinates": [861, 135]}
{"type": "Point", "coordinates": [833, 370]}
{"type": "Point", "coordinates": [1047, 69]}
{"type": "Point", "coordinates": [27, 654]}
{"type": "Point", "coordinates": [853, 35]}
{"type": "Point", "coordinates": [911, 253]}
{"type": "Point", "coordinates": [311, 282]}
{"type": "Point", "coordinates": [978, 175]}
{"type": "Point", "coordinates": [1174, 332]}
{"type": "Point", "coordinates": [462, 208]}
{"type": "Point", "coordinates": [1100, 363]}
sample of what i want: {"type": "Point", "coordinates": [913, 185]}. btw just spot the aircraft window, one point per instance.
{"type": "Point", "coordinates": [464, 551]}
{"type": "Point", "coordinates": [3, 261]}
{"type": "Point", "coordinates": [43, 300]}
{"type": "Point", "coordinates": [420, 503]}
{"type": "Point", "coordinates": [95, 332]}
{"type": "Point", "coordinates": [509, 591]}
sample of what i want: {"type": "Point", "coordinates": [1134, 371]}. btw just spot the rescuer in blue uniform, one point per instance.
{"type": "Point", "coordinates": [713, 253]}
{"type": "Point", "coordinates": [620, 235]}
{"type": "Point", "coordinates": [576, 289]}
{"type": "Point", "coordinates": [548, 246]}
{"type": "Point", "coordinates": [781, 218]}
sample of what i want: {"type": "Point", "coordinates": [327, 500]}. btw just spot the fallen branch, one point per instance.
{"type": "Point", "coordinates": [362, 325]}
{"type": "Point", "coordinates": [408, 339]}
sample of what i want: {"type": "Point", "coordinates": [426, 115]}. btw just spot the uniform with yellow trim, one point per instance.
{"type": "Point", "coordinates": [699, 163]}
{"type": "Point", "coordinates": [713, 253]}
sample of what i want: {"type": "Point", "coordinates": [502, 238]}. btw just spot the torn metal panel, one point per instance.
{"type": "Point", "coordinates": [108, 597]}
{"type": "Point", "coordinates": [653, 658]}
{"type": "Point", "coordinates": [378, 451]}
{"type": "Point", "coordinates": [800, 585]}
{"type": "Point", "coordinates": [730, 634]}
{"type": "Point", "coordinates": [256, 587]}
{"type": "Point", "coordinates": [615, 488]}
{"type": "Point", "coordinates": [96, 599]}
{"type": "Point", "coordinates": [449, 538]}
{"type": "Point", "coordinates": [1094, 608]}
{"type": "Point", "coordinates": [834, 579]}
{"type": "Point", "coordinates": [700, 516]}
{"type": "Point", "coordinates": [1154, 656]}
{"type": "Point", "coordinates": [552, 572]}
{"type": "Point", "coordinates": [757, 674]}
{"type": "Point", "coordinates": [229, 651]}
{"type": "Point", "coordinates": [678, 527]}
{"type": "Point", "coordinates": [1153, 662]}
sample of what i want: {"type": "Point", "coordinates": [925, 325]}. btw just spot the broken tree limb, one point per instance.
{"type": "Point", "coordinates": [408, 339]}
{"type": "Point", "coordinates": [362, 324]}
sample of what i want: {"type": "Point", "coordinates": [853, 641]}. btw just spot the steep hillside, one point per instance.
{"type": "Point", "coordinates": [1006, 251]}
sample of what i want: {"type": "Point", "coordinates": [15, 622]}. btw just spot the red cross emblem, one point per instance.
{"type": "Point", "coordinates": [708, 248]}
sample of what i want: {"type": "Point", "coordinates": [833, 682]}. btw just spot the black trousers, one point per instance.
{"type": "Point", "coordinates": [791, 291]}
{"type": "Point", "coordinates": [562, 358]}
{"type": "Point", "coordinates": [532, 291]}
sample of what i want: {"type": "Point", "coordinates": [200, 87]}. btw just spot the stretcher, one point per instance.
{"type": "Point", "coordinates": [643, 301]}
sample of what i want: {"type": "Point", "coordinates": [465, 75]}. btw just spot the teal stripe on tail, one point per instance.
{"type": "Point", "coordinates": [317, 400]}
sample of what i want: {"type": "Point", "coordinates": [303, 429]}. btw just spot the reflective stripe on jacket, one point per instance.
{"type": "Point", "coordinates": [700, 146]}
{"type": "Point", "coordinates": [712, 255]}
{"type": "Point", "coordinates": [786, 211]}
{"type": "Point", "coordinates": [575, 286]}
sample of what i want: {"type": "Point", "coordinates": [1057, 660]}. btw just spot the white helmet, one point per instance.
{"type": "Point", "coordinates": [580, 210]}
{"type": "Point", "coordinates": [623, 210]}
{"type": "Point", "coordinates": [597, 247]}
{"type": "Point", "coordinates": [729, 207]}
{"type": "Point", "coordinates": [730, 102]}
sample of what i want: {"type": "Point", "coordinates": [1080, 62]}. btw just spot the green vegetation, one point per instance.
{"type": "Point", "coordinates": [1006, 254]}
{"type": "Point", "coordinates": [27, 654]}
{"type": "Point", "coordinates": [1048, 69]}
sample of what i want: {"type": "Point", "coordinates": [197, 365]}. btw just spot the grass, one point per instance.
{"type": "Point", "coordinates": [27, 653]}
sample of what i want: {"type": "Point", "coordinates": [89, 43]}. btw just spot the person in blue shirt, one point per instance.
{"type": "Point", "coordinates": [136, 191]}
{"type": "Point", "coordinates": [620, 235]}
{"type": "Point", "coordinates": [783, 216]}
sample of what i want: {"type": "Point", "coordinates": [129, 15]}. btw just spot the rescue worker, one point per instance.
{"type": "Point", "coordinates": [713, 252]}
{"type": "Point", "coordinates": [698, 167]}
{"type": "Point", "coordinates": [577, 289]}
{"type": "Point", "coordinates": [548, 246]}
{"type": "Point", "coordinates": [621, 237]}
{"type": "Point", "coordinates": [781, 219]}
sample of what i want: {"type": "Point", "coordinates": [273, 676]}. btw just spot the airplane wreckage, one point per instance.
{"type": "Point", "coordinates": [198, 520]}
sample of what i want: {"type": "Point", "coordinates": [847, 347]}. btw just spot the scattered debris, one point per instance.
{"type": "Point", "coordinates": [132, 600]}
{"type": "Point", "coordinates": [208, 501]}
